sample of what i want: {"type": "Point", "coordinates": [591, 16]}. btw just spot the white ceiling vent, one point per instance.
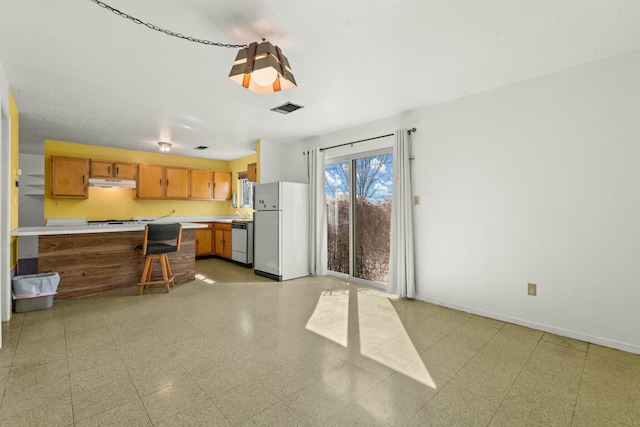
{"type": "Point", "coordinates": [287, 108]}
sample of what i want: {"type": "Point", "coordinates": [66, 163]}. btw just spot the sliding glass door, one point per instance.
{"type": "Point", "coordinates": [358, 192]}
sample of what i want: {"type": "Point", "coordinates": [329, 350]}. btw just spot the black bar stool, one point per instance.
{"type": "Point", "coordinates": [159, 240]}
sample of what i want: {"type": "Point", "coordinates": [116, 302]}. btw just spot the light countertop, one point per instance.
{"type": "Point", "coordinates": [80, 225]}
{"type": "Point", "coordinates": [87, 229]}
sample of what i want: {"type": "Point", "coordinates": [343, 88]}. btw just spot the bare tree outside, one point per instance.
{"type": "Point", "coordinates": [372, 186]}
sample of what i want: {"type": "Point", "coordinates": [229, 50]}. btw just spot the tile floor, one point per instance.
{"type": "Point", "coordinates": [232, 348]}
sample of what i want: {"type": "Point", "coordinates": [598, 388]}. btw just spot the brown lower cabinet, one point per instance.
{"type": "Point", "coordinates": [203, 240]}
{"type": "Point", "coordinates": [222, 239]}
{"type": "Point", "coordinates": [214, 240]}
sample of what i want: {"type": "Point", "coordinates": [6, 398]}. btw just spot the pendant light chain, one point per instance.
{"type": "Point", "coordinates": [167, 32]}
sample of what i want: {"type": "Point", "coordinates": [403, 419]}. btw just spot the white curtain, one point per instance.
{"type": "Point", "coordinates": [401, 281]}
{"type": "Point", "coordinates": [317, 213]}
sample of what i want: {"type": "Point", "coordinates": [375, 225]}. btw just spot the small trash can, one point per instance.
{"type": "Point", "coordinates": [34, 291]}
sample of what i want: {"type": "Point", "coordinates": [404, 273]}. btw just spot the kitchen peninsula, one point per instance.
{"type": "Point", "coordinates": [98, 259]}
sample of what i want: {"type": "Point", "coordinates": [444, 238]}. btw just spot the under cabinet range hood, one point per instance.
{"type": "Point", "coordinates": [112, 183]}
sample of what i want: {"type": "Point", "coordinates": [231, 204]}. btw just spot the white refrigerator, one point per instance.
{"type": "Point", "coordinates": [281, 230]}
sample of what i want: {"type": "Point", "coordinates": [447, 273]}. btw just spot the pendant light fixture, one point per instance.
{"type": "Point", "coordinates": [165, 147]}
{"type": "Point", "coordinates": [262, 68]}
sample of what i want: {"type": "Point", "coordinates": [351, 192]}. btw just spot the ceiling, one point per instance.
{"type": "Point", "coordinates": [80, 73]}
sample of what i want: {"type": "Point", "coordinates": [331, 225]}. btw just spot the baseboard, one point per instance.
{"type": "Point", "coordinates": [630, 348]}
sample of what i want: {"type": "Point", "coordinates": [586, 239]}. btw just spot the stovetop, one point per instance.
{"type": "Point", "coordinates": [114, 222]}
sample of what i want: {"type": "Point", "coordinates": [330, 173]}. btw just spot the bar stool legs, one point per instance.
{"type": "Point", "coordinates": [167, 277]}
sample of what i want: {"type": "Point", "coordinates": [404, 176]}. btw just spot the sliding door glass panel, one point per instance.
{"type": "Point", "coordinates": [372, 216]}
{"type": "Point", "coordinates": [337, 178]}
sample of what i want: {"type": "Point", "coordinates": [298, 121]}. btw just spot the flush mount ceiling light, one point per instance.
{"type": "Point", "coordinates": [164, 146]}
{"type": "Point", "coordinates": [259, 67]}
{"type": "Point", "coordinates": [262, 68]}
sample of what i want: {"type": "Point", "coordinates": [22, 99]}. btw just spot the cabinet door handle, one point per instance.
{"type": "Point", "coordinates": [108, 170]}
{"type": "Point", "coordinates": [161, 183]}
{"type": "Point", "coordinates": [117, 170]}
{"type": "Point", "coordinates": [83, 179]}
{"type": "Point", "coordinates": [167, 183]}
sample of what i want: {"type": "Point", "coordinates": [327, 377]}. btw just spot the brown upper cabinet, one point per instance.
{"type": "Point", "coordinates": [252, 172]}
{"type": "Point", "coordinates": [201, 184]}
{"type": "Point", "coordinates": [107, 169]}
{"type": "Point", "coordinates": [150, 182]}
{"type": "Point", "coordinates": [69, 177]}
{"type": "Point", "coordinates": [162, 182]}
{"type": "Point", "coordinates": [221, 185]}
{"type": "Point", "coordinates": [176, 185]}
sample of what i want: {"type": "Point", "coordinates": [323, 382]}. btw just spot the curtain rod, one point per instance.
{"type": "Point", "coordinates": [364, 140]}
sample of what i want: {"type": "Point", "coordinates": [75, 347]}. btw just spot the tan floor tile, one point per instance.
{"type": "Point", "coordinates": [620, 356]}
{"type": "Point", "coordinates": [512, 343]}
{"type": "Point", "coordinates": [175, 398]}
{"type": "Point", "coordinates": [401, 349]}
{"type": "Point", "coordinates": [371, 366]}
{"type": "Point", "coordinates": [390, 404]}
{"type": "Point", "coordinates": [353, 416]}
{"type": "Point", "coordinates": [244, 401]}
{"type": "Point", "coordinates": [7, 356]}
{"type": "Point", "coordinates": [261, 360]}
{"type": "Point", "coordinates": [216, 381]}
{"type": "Point", "coordinates": [87, 379]}
{"type": "Point", "coordinates": [202, 414]}
{"type": "Point", "coordinates": [543, 408]}
{"type": "Point", "coordinates": [428, 417]}
{"type": "Point", "coordinates": [207, 344]}
{"type": "Point", "coordinates": [286, 379]}
{"type": "Point", "coordinates": [497, 363]}
{"type": "Point", "coordinates": [491, 387]}
{"type": "Point", "coordinates": [317, 402]}
{"type": "Point", "coordinates": [464, 405]}
{"type": "Point", "coordinates": [320, 363]}
{"type": "Point", "coordinates": [45, 330]}
{"type": "Point", "coordinates": [351, 381]}
{"type": "Point", "coordinates": [88, 359]}
{"type": "Point", "coordinates": [42, 404]}
{"type": "Point", "coordinates": [29, 374]}
{"type": "Point", "coordinates": [486, 322]}
{"type": "Point", "coordinates": [415, 314]}
{"type": "Point", "coordinates": [445, 359]}
{"type": "Point", "coordinates": [55, 412]}
{"type": "Point", "coordinates": [130, 414]}
{"type": "Point", "coordinates": [507, 417]}
{"type": "Point", "coordinates": [471, 335]}
{"type": "Point", "coordinates": [413, 383]}
{"type": "Point", "coordinates": [89, 402]}
{"type": "Point", "coordinates": [43, 351]}
{"type": "Point", "coordinates": [566, 342]}
{"type": "Point", "coordinates": [610, 370]}
{"type": "Point", "coordinates": [605, 402]}
{"type": "Point", "coordinates": [279, 415]}
{"type": "Point", "coordinates": [510, 327]}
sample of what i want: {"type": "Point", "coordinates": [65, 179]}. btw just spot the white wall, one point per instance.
{"type": "Point", "coordinates": [281, 162]}
{"type": "Point", "coordinates": [534, 182]}
{"type": "Point", "coordinates": [31, 201]}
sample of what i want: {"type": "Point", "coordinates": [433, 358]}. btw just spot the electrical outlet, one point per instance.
{"type": "Point", "coordinates": [532, 289]}
{"type": "Point", "coordinates": [416, 200]}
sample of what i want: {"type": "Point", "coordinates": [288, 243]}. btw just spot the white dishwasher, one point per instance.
{"type": "Point", "coordinates": [242, 242]}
